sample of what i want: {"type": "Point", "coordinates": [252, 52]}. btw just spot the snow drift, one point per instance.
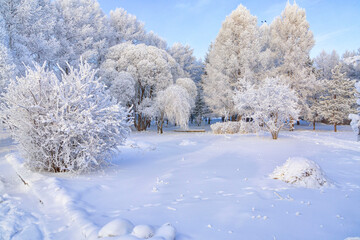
{"type": "Point", "coordinates": [301, 172]}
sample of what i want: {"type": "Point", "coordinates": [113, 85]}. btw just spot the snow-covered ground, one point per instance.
{"type": "Point", "coordinates": [206, 186]}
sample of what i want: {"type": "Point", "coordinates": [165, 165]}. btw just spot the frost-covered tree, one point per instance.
{"type": "Point", "coordinates": [151, 68]}
{"type": "Point", "coordinates": [351, 64]}
{"type": "Point", "coordinates": [184, 56]}
{"type": "Point", "coordinates": [339, 97]}
{"type": "Point", "coordinates": [174, 104]}
{"type": "Point", "coordinates": [127, 27]}
{"type": "Point", "coordinates": [190, 87]}
{"type": "Point", "coordinates": [30, 27]}
{"type": "Point", "coordinates": [7, 68]}
{"type": "Point", "coordinates": [270, 105]}
{"type": "Point", "coordinates": [232, 60]}
{"type": "Point", "coordinates": [325, 62]}
{"type": "Point", "coordinates": [290, 42]}
{"type": "Point", "coordinates": [86, 28]}
{"type": "Point", "coordinates": [152, 39]}
{"type": "Point", "coordinates": [266, 59]}
{"type": "Point", "coordinates": [123, 88]}
{"type": "Point", "coordinates": [63, 125]}
{"type": "Point", "coordinates": [314, 114]}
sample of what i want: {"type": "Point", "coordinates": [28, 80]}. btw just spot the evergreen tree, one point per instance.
{"type": "Point", "coordinates": [339, 97]}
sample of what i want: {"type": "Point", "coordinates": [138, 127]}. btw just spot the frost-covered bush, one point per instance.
{"type": "Point", "coordinates": [63, 125]}
{"type": "Point", "coordinates": [225, 127]}
{"type": "Point", "coordinates": [301, 172]}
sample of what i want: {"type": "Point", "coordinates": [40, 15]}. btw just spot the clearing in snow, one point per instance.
{"type": "Point", "coordinates": [191, 186]}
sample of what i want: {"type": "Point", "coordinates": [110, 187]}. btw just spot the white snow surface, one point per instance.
{"type": "Point", "coordinates": [215, 189]}
{"type": "Point", "coordinates": [301, 172]}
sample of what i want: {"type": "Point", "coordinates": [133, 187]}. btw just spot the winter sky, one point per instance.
{"type": "Point", "coordinates": [335, 23]}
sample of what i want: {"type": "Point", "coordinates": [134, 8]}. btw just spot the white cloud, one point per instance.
{"type": "Point", "coordinates": [326, 36]}
{"type": "Point", "coordinates": [192, 5]}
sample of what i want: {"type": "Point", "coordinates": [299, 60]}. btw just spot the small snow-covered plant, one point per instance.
{"type": "Point", "coordinates": [301, 172]}
{"type": "Point", "coordinates": [270, 105]}
{"type": "Point", "coordinates": [355, 118]}
{"type": "Point", "coordinates": [226, 127]}
{"type": "Point", "coordinates": [173, 103]}
{"type": "Point", "coordinates": [63, 125]}
{"type": "Point", "coordinates": [355, 124]}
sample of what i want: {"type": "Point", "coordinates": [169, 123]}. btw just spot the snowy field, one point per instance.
{"type": "Point", "coordinates": [209, 187]}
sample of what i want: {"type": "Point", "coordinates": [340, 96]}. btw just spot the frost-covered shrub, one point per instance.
{"type": "Point", "coordinates": [63, 125]}
{"type": "Point", "coordinates": [248, 127]}
{"type": "Point", "coordinates": [225, 127]}
{"type": "Point", "coordinates": [270, 105]}
{"type": "Point", "coordinates": [301, 172]}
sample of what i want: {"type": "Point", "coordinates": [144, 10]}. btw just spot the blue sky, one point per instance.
{"type": "Point", "coordinates": [335, 23]}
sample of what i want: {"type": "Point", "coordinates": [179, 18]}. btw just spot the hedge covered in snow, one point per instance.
{"type": "Point", "coordinates": [232, 127]}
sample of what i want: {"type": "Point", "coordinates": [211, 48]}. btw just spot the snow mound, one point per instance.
{"type": "Point", "coordinates": [127, 237]}
{"type": "Point", "coordinates": [301, 172]}
{"type": "Point", "coordinates": [117, 227]}
{"type": "Point", "coordinates": [187, 143]}
{"type": "Point", "coordinates": [2, 186]}
{"type": "Point", "coordinates": [123, 229]}
{"type": "Point", "coordinates": [352, 238]}
{"type": "Point", "coordinates": [166, 232]}
{"type": "Point", "coordinates": [143, 231]}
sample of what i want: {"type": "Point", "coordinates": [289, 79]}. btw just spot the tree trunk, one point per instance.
{"type": "Point", "coordinates": [160, 124]}
{"type": "Point", "coordinates": [274, 135]}
{"type": "Point", "coordinates": [140, 122]}
{"type": "Point", "coordinates": [291, 124]}
{"type": "Point", "coordinates": [298, 122]}
{"type": "Point", "coordinates": [314, 125]}
{"type": "Point", "coordinates": [335, 127]}
{"type": "Point", "coordinates": [209, 120]}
